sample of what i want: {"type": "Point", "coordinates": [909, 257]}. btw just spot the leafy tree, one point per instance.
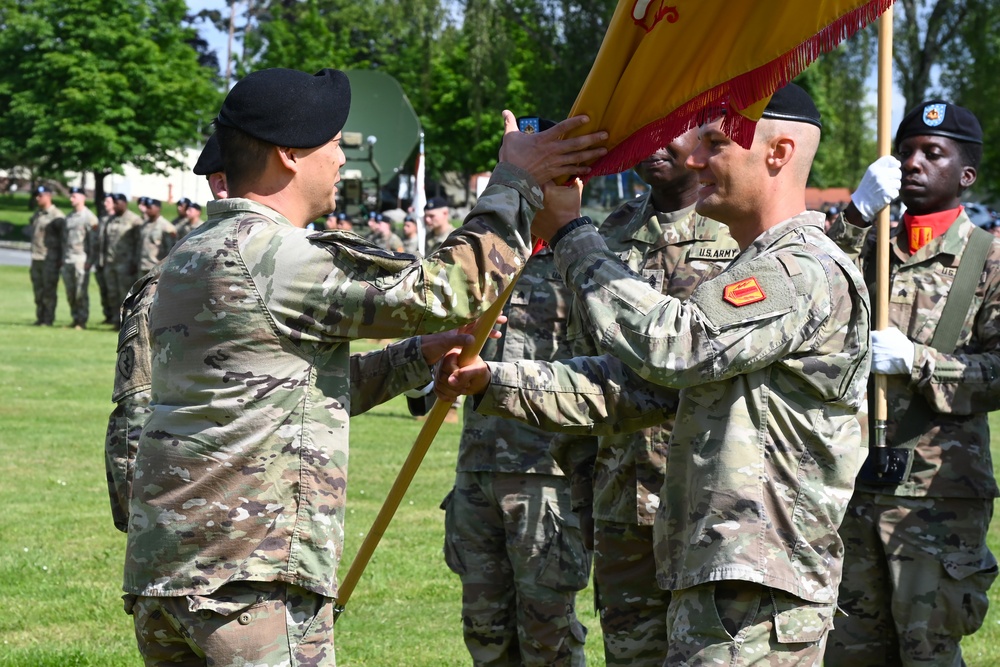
{"type": "Point", "coordinates": [924, 31]}
{"type": "Point", "coordinates": [970, 71]}
{"type": "Point", "coordinates": [837, 83]}
{"type": "Point", "coordinates": [95, 84]}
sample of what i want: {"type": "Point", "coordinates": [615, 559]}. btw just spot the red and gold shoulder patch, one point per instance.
{"type": "Point", "coordinates": [744, 292]}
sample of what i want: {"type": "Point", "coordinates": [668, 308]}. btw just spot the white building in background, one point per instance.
{"type": "Point", "coordinates": [175, 184]}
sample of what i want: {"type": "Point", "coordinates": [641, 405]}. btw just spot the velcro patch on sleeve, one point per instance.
{"type": "Point", "coordinates": [760, 289]}
{"type": "Point", "coordinates": [743, 292]}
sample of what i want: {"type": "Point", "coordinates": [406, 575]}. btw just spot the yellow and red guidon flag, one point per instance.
{"type": "Point", "coordinates": [664, 63]}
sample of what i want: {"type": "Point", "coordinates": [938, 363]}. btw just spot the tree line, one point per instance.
{"type": "Point", "coordinates": [91, 85]}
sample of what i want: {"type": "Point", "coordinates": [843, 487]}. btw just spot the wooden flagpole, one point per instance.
{"type": "Point", "coordinates": [882, 229]}
{"type": "Point", "coordinates": [432, 424]}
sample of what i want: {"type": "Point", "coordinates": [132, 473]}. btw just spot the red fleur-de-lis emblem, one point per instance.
{"type": "Point", "coordinates": [647, 13]}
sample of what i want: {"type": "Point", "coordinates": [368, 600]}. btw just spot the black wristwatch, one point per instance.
{"type": "Point", "coordinates": [564, 231]}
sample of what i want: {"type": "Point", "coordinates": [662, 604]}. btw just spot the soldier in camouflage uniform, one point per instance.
{"type": "Point", "coordinates": [97, 244]}
{"type": "Point", "coordinates": [918, 568]}
{"type": "Point", "coordinates": [133, 370]}
{"type": "Point", "coordinates": [192, 220]}
{"type": "Point", "coordinates": [154, 238]}
{"type": "Point", "coordinates": [660, 237]}
{"type": "Point", "coordinates": [78, 255]}
{"type": "Point", "coordinates": [411, 242]}
{"type": "Point", "coordinates": [510, 532]}
{"type": "Point", "coordinates": [770, 357]}
{"type": "Point", "coordinates": [437, 223]}
{"type": "Point", "coordinates": [46, 255]}
{"type": "Point", "coordinates": [119, 248]}
{"type": "Point", "coordinates": [182, 208]}
{"type": "Point", "coordinates": [236, 519]}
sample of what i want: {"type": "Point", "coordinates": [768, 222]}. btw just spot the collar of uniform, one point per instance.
{"type": "Point", "coordinates": [227, 207]}
{"type": "Point", "coordinates": [952, 242]}
{"type": "Point", "coordinates": [782, 229]}
{"type": "Point", "coordinates": [649, 224]}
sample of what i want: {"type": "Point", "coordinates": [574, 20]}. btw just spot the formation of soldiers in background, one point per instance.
{"type": "Point", "coordinates": [119, 247]}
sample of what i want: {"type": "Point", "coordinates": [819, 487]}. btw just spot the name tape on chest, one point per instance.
{"type": "Point", "coordinates": [708, 252]}
{"type": "Point", "coordinates": [743, 293]}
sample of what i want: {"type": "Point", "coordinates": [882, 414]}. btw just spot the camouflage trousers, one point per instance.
{"type": "Point", "coordinates": [518, 549]}
{"type": "Point", "coordinates": [118, 280]}
{"type": "Point", "coordinates": [740, 623]}
{"type": "Point", "coordinates": [76, 278]}
{"type": "Point", "coordinates": [633, 607]}
{"type": "Point", "coordinates": [102, 288]}
{"type": "Point", "coordinates": [45, 282]}
{"type": "Point", "coordinates": [916, 573]}
{"type": "Point", "coordinates": [264, 624]}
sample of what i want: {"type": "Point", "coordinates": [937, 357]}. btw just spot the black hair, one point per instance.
{"type": "Point", "coordinates": [244, 157]}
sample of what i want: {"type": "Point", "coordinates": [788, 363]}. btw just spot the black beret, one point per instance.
{"type": "Point", "coordinates": [118, 196]}
{"type": "Point", "coordinates": [342, 216]}
{"type": "Point", "coordinates": [286, 107]}
{"type": "Point", "coordinates": [183, 201]}
{"type": "Point", "coordinates": [152, 202]}
{"type": "Point", "coordinates": [77, 191]}
{"type": "Point", "coordinates": [939, 118]}
{"type": "Point", "coordinates": [42, 188]}
{"type": "Point", "coordinates": [792, 103]}
{"type": "Point", "coordinates": [436, 202]}
{"type": "Point", "coordinates": [142, 201]}
{"type": "Point", "coordinates": [196, 206]}
{"type": "Point", "coordinates": [210, 160]}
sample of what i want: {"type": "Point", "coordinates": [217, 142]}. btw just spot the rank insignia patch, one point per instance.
{"type": "Point", "coordinates": [743, 293]}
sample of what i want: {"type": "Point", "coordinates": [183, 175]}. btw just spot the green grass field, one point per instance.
{"type": "Point", "coordinates": [60, 556]}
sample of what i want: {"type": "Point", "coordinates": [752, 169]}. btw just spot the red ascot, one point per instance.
{"type": "Point", "coordinates": [922, 229]}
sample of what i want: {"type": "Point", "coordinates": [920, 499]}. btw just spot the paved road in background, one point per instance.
{"type": "Point", "coordinates": [10, 257]}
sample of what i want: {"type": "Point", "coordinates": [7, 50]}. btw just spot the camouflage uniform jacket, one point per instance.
{"type": "Point", "coordinates": [77, 237]}
{"type": "Point", "coordinates": [537, 315]}
{"type": "Point", "coordinates": [952, 457]}
{"type": "Point", "coordinates": [675, 252]}
{"type": "Point", "coordinates": [46, 235]}
{"type": "Point", "coordinates": [184, 227]}
{"type": "Point", "coordinates": [154, 240]}
{"type": "Point", "coordinates": [241, 469]}
{"type": "Point", "coordinates": [119, 242]}
{"type": "Point", "coordinates": [133, 382]}
{"type": "Point", "coordinates": [766, 443]}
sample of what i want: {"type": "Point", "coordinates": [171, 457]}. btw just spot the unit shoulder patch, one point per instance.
{"type": "Point", "coordinates": [743, 292]}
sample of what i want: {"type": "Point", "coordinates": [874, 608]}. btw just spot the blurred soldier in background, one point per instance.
{"type": "Point", "coordinates": [120, 259]}
{"type": "Point", "coordinates": [437, 223]}
{"type": "Point", "coordinates": [78, 255]}
{"type": "Point", "coordinates": [192, 220]}
{"type": "Point", "coordinates": [99, 252]}
{"type": "Point", "coordinates": [182, 210]}
{"type": "Point", "coordinates": [46, 255]}
{"type": "Point", "coordinates": [154, 239]}
{"type": "Point", "coordinates": [411, 243]}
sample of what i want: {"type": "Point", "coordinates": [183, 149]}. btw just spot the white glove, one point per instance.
{"type": "Point", "coordinates": [879, 186]}
{"type": "Point", "coordinates": [892, 352]}
{"type": "Point", "coordinates": [417, 393]}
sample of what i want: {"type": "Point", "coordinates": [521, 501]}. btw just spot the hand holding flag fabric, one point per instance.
{"type": "Point", "coordinates": [879, 186]}
{"type": "Point", "coordinates": [892, 352]}
{"type": "Point", "coordinates": [546, 155]}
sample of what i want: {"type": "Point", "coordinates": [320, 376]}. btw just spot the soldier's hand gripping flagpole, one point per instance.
{"type": "Point", "coordinates": [481, 332]}
{"type": "Point", "coordinates": [882, 230]}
